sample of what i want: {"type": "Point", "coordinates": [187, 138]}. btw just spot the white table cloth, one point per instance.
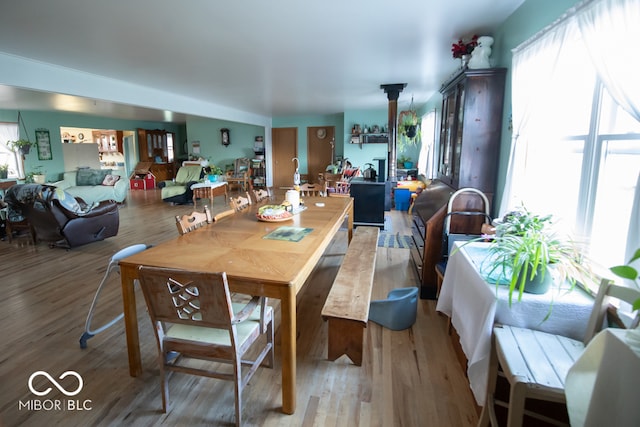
{"type": "Point", "coordinates": [208, 184]}
{"type": "Point", "coordinates": [602, 386]}
{"type": "Point", "coordinates": [474, 305]}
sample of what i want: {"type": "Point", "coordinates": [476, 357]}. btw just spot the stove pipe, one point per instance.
{"type": "Point", "coordinates": [393, 92]}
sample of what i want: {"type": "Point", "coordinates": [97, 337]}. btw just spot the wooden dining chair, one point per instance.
{"type": "Point", "coordinates": [536, 363]}
{"type": "Point", "coordinates": [190, 222]}
{"type": "Point", "coordinates": [240, 203]}
{"type": "Point", "coordinates": [193, 317]}
{"type": "Point", "coordinates": [310, 190]}
{"type": "Point", "coordinates": [239, 177]}
{"type": "Point", "coordinates": [260, 194]}
{"type": "Point", "coordinates": [340, 189]}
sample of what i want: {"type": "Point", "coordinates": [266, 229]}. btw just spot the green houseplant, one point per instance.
{"type": "Point", "coordinates": [4, 171]}
{"type": "Point", "coordinates": [21, 145]}
{"type": "Point", "coordinates": [408, 128]}
{"type": "Point", "coordinates": [630, 273]}
{"type": "Point", "coordinates": [212, 172]}
{"type": "Point", "coordinates": [527, 250]}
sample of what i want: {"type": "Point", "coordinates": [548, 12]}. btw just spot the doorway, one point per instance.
{"type": "Point", "coordinates": [320, 150]}
{"type": "Point", "coordinates": [284, 148]}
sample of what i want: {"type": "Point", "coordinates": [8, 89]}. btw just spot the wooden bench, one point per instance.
{"type": "Point", "coordinates": [347, 306]}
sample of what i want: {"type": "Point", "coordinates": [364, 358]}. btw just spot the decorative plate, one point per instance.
{"type": "Point", "coordinates": [321, 133]}
{"type": "Point", "coordinates": [273, 219]}
{"type": "Point", "coordinates": [273, 213]}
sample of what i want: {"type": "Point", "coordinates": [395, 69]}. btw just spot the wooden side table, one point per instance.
{"type": "Point", "coordinates": [208, 190]}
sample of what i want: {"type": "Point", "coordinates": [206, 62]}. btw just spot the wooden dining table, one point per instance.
{"type": "Point", "coordinates": [255, 265]}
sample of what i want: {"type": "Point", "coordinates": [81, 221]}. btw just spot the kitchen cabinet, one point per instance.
{"type": "Point", "coordinates": [109, 141]}
{"type": "Point", "coordinates": [157, 146]}
{"type": "Point", "coordinates": [471, 126]}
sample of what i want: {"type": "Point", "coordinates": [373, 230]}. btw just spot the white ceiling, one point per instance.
{"type": "Point", "coordinates": [268, 58]}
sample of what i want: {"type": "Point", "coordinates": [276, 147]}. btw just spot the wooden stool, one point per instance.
{"type": "Point", "coordinates": [17, 226]}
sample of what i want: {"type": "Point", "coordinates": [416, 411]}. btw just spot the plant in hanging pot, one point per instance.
{"type": "Point", "coordinates": [21, 145]}
{"type": "Point", "coordinates": [529, 254]}
{"type": "Point", "coordinates": [408, 128]}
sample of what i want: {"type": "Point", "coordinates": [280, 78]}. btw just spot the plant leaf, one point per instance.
{"type": "Point", "coordinates": [635, 256]}
{"type": "Point", "coordinates": [625, 271]}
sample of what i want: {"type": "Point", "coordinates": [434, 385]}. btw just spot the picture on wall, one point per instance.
{"type": "Point", "coordinates": [44, 144]}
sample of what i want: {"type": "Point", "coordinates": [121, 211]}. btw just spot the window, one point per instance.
{"type": "Point", "coordinates": [576, 151]}
{"type": "Point", "coordinates": [9, 132]}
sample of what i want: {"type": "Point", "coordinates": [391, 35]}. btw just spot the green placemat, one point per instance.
{"type": "Point", "coordinates": [289, 234]}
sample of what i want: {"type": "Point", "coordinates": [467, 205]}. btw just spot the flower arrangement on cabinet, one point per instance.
{"type": "Point", "coordinates": [463, 47]}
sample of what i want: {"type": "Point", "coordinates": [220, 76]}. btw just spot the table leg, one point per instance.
{"type": "Point", "coordinates": [288, 339]}
{"type": "Point", "coordinates": [350, 222]}
{"type": "Point", "coordinates": [127, 274]}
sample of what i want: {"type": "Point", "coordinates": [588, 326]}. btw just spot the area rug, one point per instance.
{"type": "Point", "coordinates": [394, 240]}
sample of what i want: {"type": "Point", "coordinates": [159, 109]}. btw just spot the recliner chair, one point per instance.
{"type": "Point", "coordinates": [59, 218]}
{"type": "Point", "coordinates": [179, 191]}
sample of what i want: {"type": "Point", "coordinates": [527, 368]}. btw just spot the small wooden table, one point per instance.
{"type": "Point", "coordinates": [475, 305]}
{"type": "Point", "coordinates": [208, 190]}
{"type": "Point", "coordinates": [233, 246]}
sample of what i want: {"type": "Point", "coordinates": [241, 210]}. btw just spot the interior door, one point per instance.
{"type": "Point", "coordinates": [320, 150]}
{"type": "Point", "coordinates": [284, 143]}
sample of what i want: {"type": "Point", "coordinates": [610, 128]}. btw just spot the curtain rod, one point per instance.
{"type": "Point", "coordinates": [570, 13]}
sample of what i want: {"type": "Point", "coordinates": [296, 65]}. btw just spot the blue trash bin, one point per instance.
{"type": "Point", "coordinates": [402, 197]}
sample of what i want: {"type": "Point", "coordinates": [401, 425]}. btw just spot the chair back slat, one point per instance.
{"type": "Point", "coordinates": [607, 291]}
{"type": "Point", "coordinates": [192, 221]}
{"type": "Point", "coordinates": [261, 194]}
{"type": "Point", "coordinates": [240, 203]}
{"type": "Point", "coordinates": [192, 298]}
{"type": "Point", "coordinates": [310, 190]}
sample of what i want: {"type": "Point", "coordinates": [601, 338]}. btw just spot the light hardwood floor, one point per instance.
{"type": "Point", "coordinates": [408, 378]}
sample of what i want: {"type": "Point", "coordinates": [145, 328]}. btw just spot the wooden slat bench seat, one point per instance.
{"type": "Point", "coordinates": [347, 306]}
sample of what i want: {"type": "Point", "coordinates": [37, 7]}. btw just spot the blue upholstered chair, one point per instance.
{"type": "Point", "coordinates": [398, 311]}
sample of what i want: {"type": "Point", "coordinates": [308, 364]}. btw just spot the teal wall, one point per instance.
{"type": "Point", "coordinates": [52, 121]}
{"type": "Point", "coordinates": [357, 155]}
{"type": "Point", "coordinates": [207, 131]}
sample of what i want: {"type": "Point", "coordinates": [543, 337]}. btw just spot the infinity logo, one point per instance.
{"type": "Point", "coordinates": [55, 383]}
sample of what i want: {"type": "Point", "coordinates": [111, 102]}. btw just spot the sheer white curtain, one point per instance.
{"type": "Point", "coordinates": [9, 132]}
{"type": "Point", "coordinates": [549, 79]}
{"type": "Point", "coordinates": [611, 30]}
{"type": "Point", "coordinates": [427, 148]}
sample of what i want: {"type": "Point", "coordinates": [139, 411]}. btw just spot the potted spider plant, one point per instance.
{"type": "Point", "coordinates": [528, 252]}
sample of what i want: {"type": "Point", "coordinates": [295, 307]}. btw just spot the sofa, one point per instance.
{"type": "Point", "coordinates": [179, 191]}
{"type": "Point", "coordinates": [60, 219]}
{"type": "Point", "coordinates": [95, 185]}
